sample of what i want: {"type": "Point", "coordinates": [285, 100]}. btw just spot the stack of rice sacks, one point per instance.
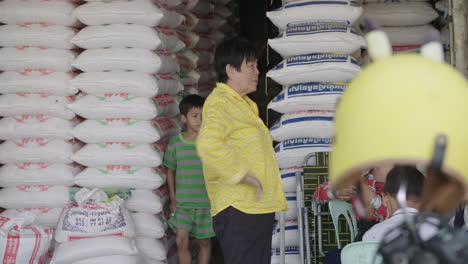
{"type": "Point", "coordinates": [129, 85]}
{"type": "Point", "coordinates": [36, 59]}
{"type": "Point", "coordinates": [196, 31]}
{"type": "Point", "coordinates": [316, 41]}
{"type": "Point", "coordinates": [406, 22]}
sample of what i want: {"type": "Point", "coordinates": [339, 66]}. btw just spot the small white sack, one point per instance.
{"type": "Point", "coordinates": [291, 213]}
{"type": "Point", "coordinates": [292, 152]}
{"type": "Point", "coordinates": [37, 34]}
{"type": "Point", "coordinates": [120, 176]}
{"type": "Point", "coordinates": [189, 38]}
{"type": "Point", "coordinates": [136, 83]}
{"type": "Point", "coordinates": [119, 12]}
{"type": "Point", "coordinates": [205, 57]}
{"type": "Point", "coordinates": [306, 38]}
{"type": "Point", "coordinates": [415, 35]}
{"type": "Point", "coordinates": [83, 249]}
{"type": "Point", "coordinates": [292, 256]}
{"type": "Point", "coordinates": [114, 259]}
{"type": "Point", "coordinates": [307, 123]}
{"type": "Point", "coordinates": [167, 105]}
{"type": "Point", "coordinates": [30, 126]}
{"type": "Point", "coordinates": [92, 216]}
{"type": "Point", "coordinates": [34, 196]}
{"type": "Point", "coordinates": [22, 242]}
{"type": "Point", "coordinates": [47, 217]}
{"type": "Point", "coordinates": [32, 173]}
{"type": "Point", "coordinates": [37, 81]}
{"type": "Point", "coordinates": [125, 59]}
{"type": "Point", "coordinates": [127, 36]}
{"type": "Point", "coordinates": [115, 105]}
{"type": "Point", "coordinates": [149, 225]}
{"type": "Point", "coordinates": [151, 248]}
{"type": "Point", "coordinates": [118, 153]}
{"type": "Point", "coordinates": [400, 14]}
{"type": "Point", "coordinates": [291, 234]}
{"type": "Point", "coordinates": [38, 150]}
{"type": "Point", "coordinates": [26, 57]}
{"type": "Point", "coordinates": [315, 68]}
{"type": "Point", "coordinates": [144, 201]}
{"type": "Point", "coordinates": [307, 96]}
{"type": "Point", "coordinates": [30, 11]}
{"type": "Point", "coordinates": [200, 7]}
{"type": "Point", "coordinates": [223, 11]}
{"type": "Point", "coordinates": [171, 18]}
{"type": "Point", "coordinates": [32, 104]}
{"type": "Point", "coordinates": [342, 11]}
{"type": "Point", "coordinates": [125, 130]}
{"type": "Point", "coordinates": [288, 175]}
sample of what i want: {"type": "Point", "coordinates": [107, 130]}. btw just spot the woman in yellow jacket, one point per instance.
{"type": "Point", "coordinates": [239, 164]}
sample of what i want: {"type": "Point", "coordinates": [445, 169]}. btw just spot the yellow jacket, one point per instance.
{"type": "Point", "coordinates": [232, 141]}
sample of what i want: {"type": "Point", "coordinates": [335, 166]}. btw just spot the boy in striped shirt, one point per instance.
{"type": "Point", "coordinates": [190, 204]}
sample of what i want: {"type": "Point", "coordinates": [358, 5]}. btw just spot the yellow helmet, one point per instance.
{"type": "Point", "coordinates": [392, 112]}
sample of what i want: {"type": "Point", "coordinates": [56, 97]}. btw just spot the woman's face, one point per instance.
{"type": "Point", "coordinates": [246, 78]}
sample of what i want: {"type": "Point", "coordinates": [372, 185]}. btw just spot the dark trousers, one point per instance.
{"type": "Point", "coordinates": [244, 238]}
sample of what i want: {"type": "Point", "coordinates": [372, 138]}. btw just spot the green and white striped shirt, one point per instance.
{"type": "Point", "coordinates": [181, 155]}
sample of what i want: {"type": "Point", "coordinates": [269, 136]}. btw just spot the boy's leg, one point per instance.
{"type": "Point", "coordinates": [204, 254]}
{"type": "Point", "coordinates": [182, 222]}
{"type": "Point", "coordinates": [183, 252]}
{"type": "Point", "coordinates": [204, 232]}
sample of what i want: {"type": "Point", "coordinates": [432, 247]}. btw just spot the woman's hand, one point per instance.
{"type": "Point", "coordinates": [254, 182]}
{"type": "Point", "coordinates": [344, 194]}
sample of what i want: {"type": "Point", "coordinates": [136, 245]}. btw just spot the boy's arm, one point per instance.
{"type": "Point", "coordinates": [171, 185]}
{"type": "Point", "coordinates": [218, 158]}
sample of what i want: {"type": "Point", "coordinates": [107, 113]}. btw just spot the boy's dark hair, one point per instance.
{"type": "Point", "coordinates": [413, 177]}
{"type": "Point", "coordinates": [189, 102]}
{"type": "Point", "coordinates": [232, 52]}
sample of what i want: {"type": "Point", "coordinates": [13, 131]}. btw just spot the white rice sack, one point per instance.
{"type": "Point", "coordinates": [38, 150]}
{"type": "Point", "coordinates": [291, 234]}
{"type": "Point", "coordinates": [144, 201]}
{"type": "Point", "coordinates": [292, 152]}
{"type": "Point", "coordinates": [288, 175]}
{"type": "Point", "coordinates": [118, 153]}
{"type": "Point", "coordinates": [33, 104]}
{"type": "Point", "coordinates": [82, 249]}
{"type": "Point", "coordinates": [136, 83]}
{"type": "Point", "coordinates": [400, 14]}
{"type": "Point", "coordinates": [89, 219]}
{"type": "Point", "coordinates": [167, 105]}
{"type": "Point", "coordinates": [53, 12]}
{"type": "Point", "coordinates": [114, 259]}
{"type": "Point", "coordinates": [292, 256]}
{"type": "Point", "coordinates": [30, 126]}
{"type": "Point", "coordinates": [205, 42]}
{"type": "Point", "coordinates": [205, 57]}
{"type": "Point", "coordinates": [115, 105]}
{"type": "Point", "coordinates": [342, 11]}
{"type": "Point", "coordinates": [189, 38]}
{"type": "Point", "coordinates": [36, 173]}
{"type": "Point", "coordinates": [163, 192]}
{"type": "Point", "coordinates": [223, 11]}
{"type": "Point", "coordinates": [415, 35]}
{"type": "Point", "coordinates": [152, 249]}
{"type": "Point", "coordinates": [120, 176]}
{"type": "Point", "coordinates": [315, 68]}
{"type": "Point", "coordinates": [34, 196]}
{"type": "Point", "coordinates": [149, 225]}
{"type": "Point", "coordinates": [200, 7]}
{"type": "Point", "coordinates": [47, 217]}
{"type": "Point", "coordinates": [125, 59]}
{"type": "Point", "coordinates": [291, 213]}
{"type": "Point", "coordinates": [206, 74]}
{"type": "Point", "coordinates": [397, 1]}
{"type": "Point", "coordinates": [126, 36]}
{"type": "Point", "coordinates": [306, 38]}
{"type": "Point", "coordinates": [189, 23]}
{"type": "Point", "coordinates": [119, 12]}
{"type": "Point", "coordinates": [37, 34]}
{"type": "Point", "coordinates": [307, 96]}
{"type": "Point", "coordinates": [22, 242]}
{"type": "Point", "coordinates": [187, 60]}
{"type": "Point", "coordinates": [125, 130]}
{"type": "Point", "coordinates": [217, 36]}
{"type": "Point", "coordinates": [37, 81]}
{"type": "Point", "coordinates": [26, 57]}
{"type": "Point", "coordinates": [171, 18]}
{"type": "Point", "coordinates": [307, 123]}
